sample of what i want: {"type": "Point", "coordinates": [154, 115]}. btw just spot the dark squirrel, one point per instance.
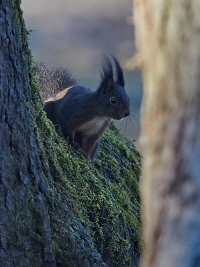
{"type": "Point", "coordinates": [82, 115]}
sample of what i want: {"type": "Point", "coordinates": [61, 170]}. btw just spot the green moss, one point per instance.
{"type": "Point", "coordinates": [103, 195]}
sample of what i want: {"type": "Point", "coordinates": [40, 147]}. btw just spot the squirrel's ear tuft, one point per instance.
{"type": "Point", "coordinates": [119, 73]}
{"type": "Point", "coordinates": [107, 70]}
{"type": "Point", "coordinates": [107, 79]}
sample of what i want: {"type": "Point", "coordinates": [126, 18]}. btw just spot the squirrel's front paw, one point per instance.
{"type": "Point", "coordinates": [73, 144]}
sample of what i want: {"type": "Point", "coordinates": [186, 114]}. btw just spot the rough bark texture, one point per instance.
{"type": "Point", "coordinates": [168, 38]}
{"type": "Point", "coordinates": [20, 169]}
{"type": "Point", "coordinates": [58, 209]}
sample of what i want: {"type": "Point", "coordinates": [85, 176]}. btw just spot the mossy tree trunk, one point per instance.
{"type": "Point", "coordinates": [168, 41]}
{"type": "Point", "coordinates": [58, 209]}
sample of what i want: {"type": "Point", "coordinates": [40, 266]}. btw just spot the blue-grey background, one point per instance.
{"type": "Point", "coordinates": [76, 33]}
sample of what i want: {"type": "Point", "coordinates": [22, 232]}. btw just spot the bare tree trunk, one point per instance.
{"type": "Point", "coordinates": [168, 40]}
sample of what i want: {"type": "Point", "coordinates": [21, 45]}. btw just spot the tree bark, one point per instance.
{"type": "Point", "coordinates": [168, 38]}
{"type": "Point", "coordinates": [21, 168]}
{"type": "Point", "coordinates": [56, 208]}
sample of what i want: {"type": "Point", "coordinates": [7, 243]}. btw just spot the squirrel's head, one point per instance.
{"type": "Point", "coordinates": [111, 93]}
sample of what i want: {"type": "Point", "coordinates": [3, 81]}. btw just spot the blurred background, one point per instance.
{"type": "Point", "coordinates": [75, 34]}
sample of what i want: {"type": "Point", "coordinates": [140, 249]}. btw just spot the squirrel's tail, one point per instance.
{"type": "Point", "coordinates": [52, 79]}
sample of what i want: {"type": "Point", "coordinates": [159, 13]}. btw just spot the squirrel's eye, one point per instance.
{"type": "Point", "coordinates": [113, 100]}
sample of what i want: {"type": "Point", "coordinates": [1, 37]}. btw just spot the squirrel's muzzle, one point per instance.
{"type": "Point", "coordinates": [121, 115]}
{"type": "Point", "coordinates": [127, 113]}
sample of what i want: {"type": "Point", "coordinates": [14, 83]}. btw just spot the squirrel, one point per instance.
{"type": "Point", "coordinates": [80, 114]}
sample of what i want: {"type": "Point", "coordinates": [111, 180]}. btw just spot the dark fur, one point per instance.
{"type": "Point", "coordinates": [83, 115]}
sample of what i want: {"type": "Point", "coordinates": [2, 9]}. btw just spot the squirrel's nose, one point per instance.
{"type": "Point", "coordinates": [127, 113]}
